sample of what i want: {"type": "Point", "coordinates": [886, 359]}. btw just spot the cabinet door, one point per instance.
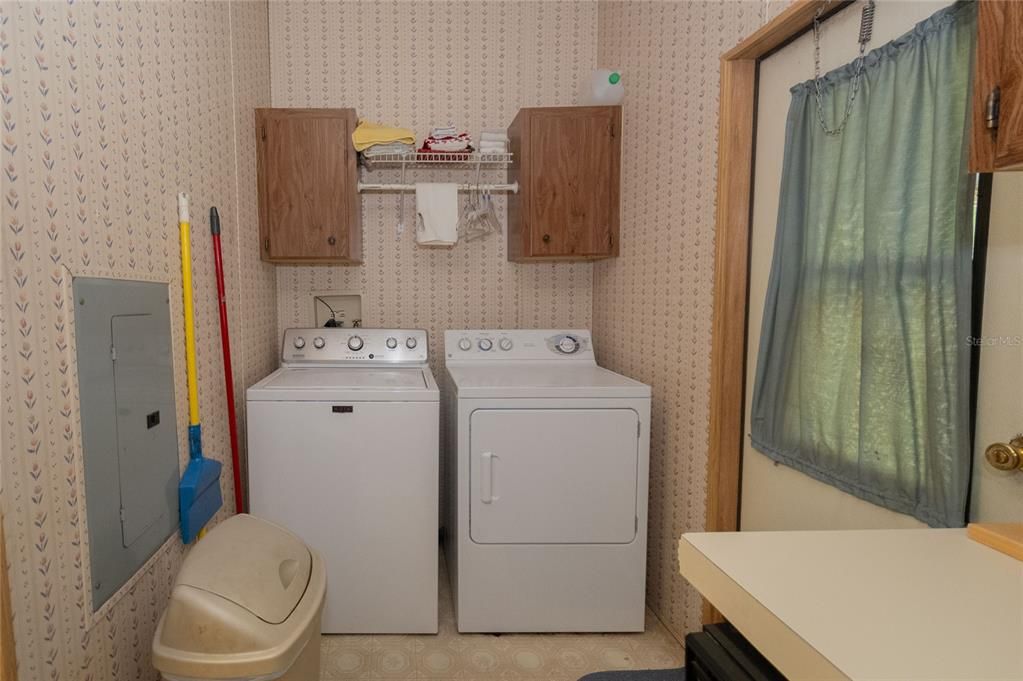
{"type": "Point", "coordinates": [306, 176]}
{"type": "Point", "coordinates": [1009, 144]}
{"type": "Point", "coordinates": [573, 156]}
{"type": "Point", "coordinates": [999, 64]}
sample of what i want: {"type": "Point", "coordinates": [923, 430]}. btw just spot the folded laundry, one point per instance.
{"type": "Point", "coordinates": [449, 131]}
{"type": "Point", "coordinates": [460, 142]}
{"type": "Point", "coordinates": [367, 133]}
{"type": "Point", "coordinates": [447, 146]}
{"type": "Point", "coordinates": [390, 148]}
{"type": "Point", "coordinates": [494, 136]}
{"type": "Point", "coordinates": [492, 147]}
{"type": "Point", "coordinates": [493, 141]}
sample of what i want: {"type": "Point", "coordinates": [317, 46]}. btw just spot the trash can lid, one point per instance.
{"type": "Point", "coordinates": [255, 564]}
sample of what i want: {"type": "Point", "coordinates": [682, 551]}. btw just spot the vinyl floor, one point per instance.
{"type": "Point", "coordinates": [450, 656]}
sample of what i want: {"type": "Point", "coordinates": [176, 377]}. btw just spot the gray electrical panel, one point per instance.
{"type": "Point", "coordinates": [129, 425]}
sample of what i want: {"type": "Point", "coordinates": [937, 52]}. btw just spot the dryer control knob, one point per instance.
{"type": "Point", "coordinates": [465, 344]}
{"type": "Point", "coordinates": [411, 343]}
{"type": "Point", "coordinates": [299, 342]}
{"type": "Point", "coordinates": [355, 343]}
{"type": "Point", "coordinates": [392, 343]}
{"type": "Point", "coordinates": [485, 344]}
{"type": "Point", "coordinates": [318, 343]}
{"type": "Point", "coordinates": [505, 344]}
{"type": "Point", "coordinates": [568, 345]}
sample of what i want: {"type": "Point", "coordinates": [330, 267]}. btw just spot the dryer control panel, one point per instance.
{"type": "Point", "coordinates": [519, 344]}
{"type": "Point", "coordinates": [332, 346]}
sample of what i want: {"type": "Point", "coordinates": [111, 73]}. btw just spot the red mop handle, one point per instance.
{"type": "Point", "coordinates": [225, 339]}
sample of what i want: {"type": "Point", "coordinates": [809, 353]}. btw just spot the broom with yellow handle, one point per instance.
{"type": "Point", "coordinates": [199, 494]}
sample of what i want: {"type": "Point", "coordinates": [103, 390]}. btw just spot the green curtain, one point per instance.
{"type": "Point", "coordinates": [863, 371]}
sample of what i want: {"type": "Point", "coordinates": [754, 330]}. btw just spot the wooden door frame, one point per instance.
{"type": "Point", "coordinates": [736, 138]}
{"type": "Point", "coordinates": [8, 665]}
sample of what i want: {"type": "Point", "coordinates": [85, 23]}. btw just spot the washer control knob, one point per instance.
{"type": "Point", "coordinates": [318, 343]}
{"type": "Point", "coordinates": [299, 342]}
{"type": "Point", "coordinates": [355, 343]}
{"type": "Point", "coordinates": [411, 342]}
{"type": "Point", "coordinates": [465, 344]}
{"type": "Point", "coordinates": [392, 343]}
{"type": "Point", "coordinates": [485, 344]}
{"type": "Point", "coordinates": [568, 345]}
{"type": "Point", "coordinates": [505, 344]}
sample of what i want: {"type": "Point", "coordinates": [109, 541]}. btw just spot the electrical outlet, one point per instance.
{"type": "Point", "coordinates": [346, 308]}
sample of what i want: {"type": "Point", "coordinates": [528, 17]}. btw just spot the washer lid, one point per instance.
{"type": "Point", "coordinates": [359, 384]}
{"type": "Point", "coordinates": [542, 379]}
{"type": "Point", "coordinates": [359, 378]}
{"type": "Point", "coordinates": [255, 564]}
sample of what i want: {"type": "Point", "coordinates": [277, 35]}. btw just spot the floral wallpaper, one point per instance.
{"type": "Point", "coordinates": [109, 109]}
{"type": "Point", "coordinates": [652, 306]}
{"type": "Point", "coordinates": [385, 60]}
{"type": "Point", "coordinates": [382, 59]}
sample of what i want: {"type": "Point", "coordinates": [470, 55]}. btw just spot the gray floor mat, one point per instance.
{"type": "Point", "coordinates": [638, 675]}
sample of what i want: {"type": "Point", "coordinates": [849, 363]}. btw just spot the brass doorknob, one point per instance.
{"type": "Point", "coordinates": [1006, 456]}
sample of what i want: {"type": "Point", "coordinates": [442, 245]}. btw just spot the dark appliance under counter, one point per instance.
{"type": "Point", "coordinates": [721, 653]}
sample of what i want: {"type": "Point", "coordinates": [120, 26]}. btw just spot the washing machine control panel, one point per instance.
{"type": "Point", "coordinates": [524, 344]}
{"type": "Point", "coordinates": [354, 345]}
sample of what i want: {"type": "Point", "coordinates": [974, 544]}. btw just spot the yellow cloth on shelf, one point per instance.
{"type": "Point", "coordinates": [367, 134]}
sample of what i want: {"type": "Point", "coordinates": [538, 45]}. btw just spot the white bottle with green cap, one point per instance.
{"type": "Point", "coordinates": [602, 87]}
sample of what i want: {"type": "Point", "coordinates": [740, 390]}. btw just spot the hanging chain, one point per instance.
{"type": "Point", "coordinates": [866, 29]}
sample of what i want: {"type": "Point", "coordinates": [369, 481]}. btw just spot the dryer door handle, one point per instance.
{"type": "Point", "coordinates": [487, 477]}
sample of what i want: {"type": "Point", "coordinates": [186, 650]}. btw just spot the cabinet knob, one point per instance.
{"type": "Point", "coordinates": [546, 238]}
{"type": "Point", "coordinates": [331, 240]}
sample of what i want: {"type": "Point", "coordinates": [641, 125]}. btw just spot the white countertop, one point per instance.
{"type": "Point", "coordinates": [866, 605]}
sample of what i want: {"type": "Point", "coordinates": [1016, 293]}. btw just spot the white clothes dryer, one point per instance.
{"type": "Point", "coordinates": [546, 472]}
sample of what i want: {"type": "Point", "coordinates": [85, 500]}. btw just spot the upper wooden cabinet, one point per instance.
{"type": "Point", "coordinates": [567, 163]}
{"type": "Point", "coordinates": [999, 66]}
{"type": "Point", "coordinates": [309, 208]}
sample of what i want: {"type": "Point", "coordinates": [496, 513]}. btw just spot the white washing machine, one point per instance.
{"type": "Point", "coordinates": [546, 472]}
{"type": "Point", "coordinates": [343, 451]}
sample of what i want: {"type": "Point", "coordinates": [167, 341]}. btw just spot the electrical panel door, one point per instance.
{"type": "Point", "coordinates": [129, 425]}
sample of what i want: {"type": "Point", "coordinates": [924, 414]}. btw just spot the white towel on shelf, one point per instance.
{"type": "Point", "coordinates": [389, 148]}
{"type": "Point", "coordinates": [494, 136]}
{"type": "Point", "coordinates": [437, 214]}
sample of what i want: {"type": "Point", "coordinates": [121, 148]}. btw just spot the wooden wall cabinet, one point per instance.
{"type": "Point", "coordinates": [999, 65]}
{"type": "Point", "coordinates": [567, 163]}
{"type": "Point", "coordinates": [309, 209]}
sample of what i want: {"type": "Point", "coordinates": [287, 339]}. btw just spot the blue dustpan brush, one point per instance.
{"type": "Point", "coordinates": [199, 496]}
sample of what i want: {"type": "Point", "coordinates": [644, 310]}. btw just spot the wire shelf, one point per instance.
{"type": "Point", "coordinates": [465, 187]}
{"type": "Point", "coordinates": [433, 158]}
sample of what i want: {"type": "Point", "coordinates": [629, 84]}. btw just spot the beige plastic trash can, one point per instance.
{"type": "Point", "coordinates": [246, 606]}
